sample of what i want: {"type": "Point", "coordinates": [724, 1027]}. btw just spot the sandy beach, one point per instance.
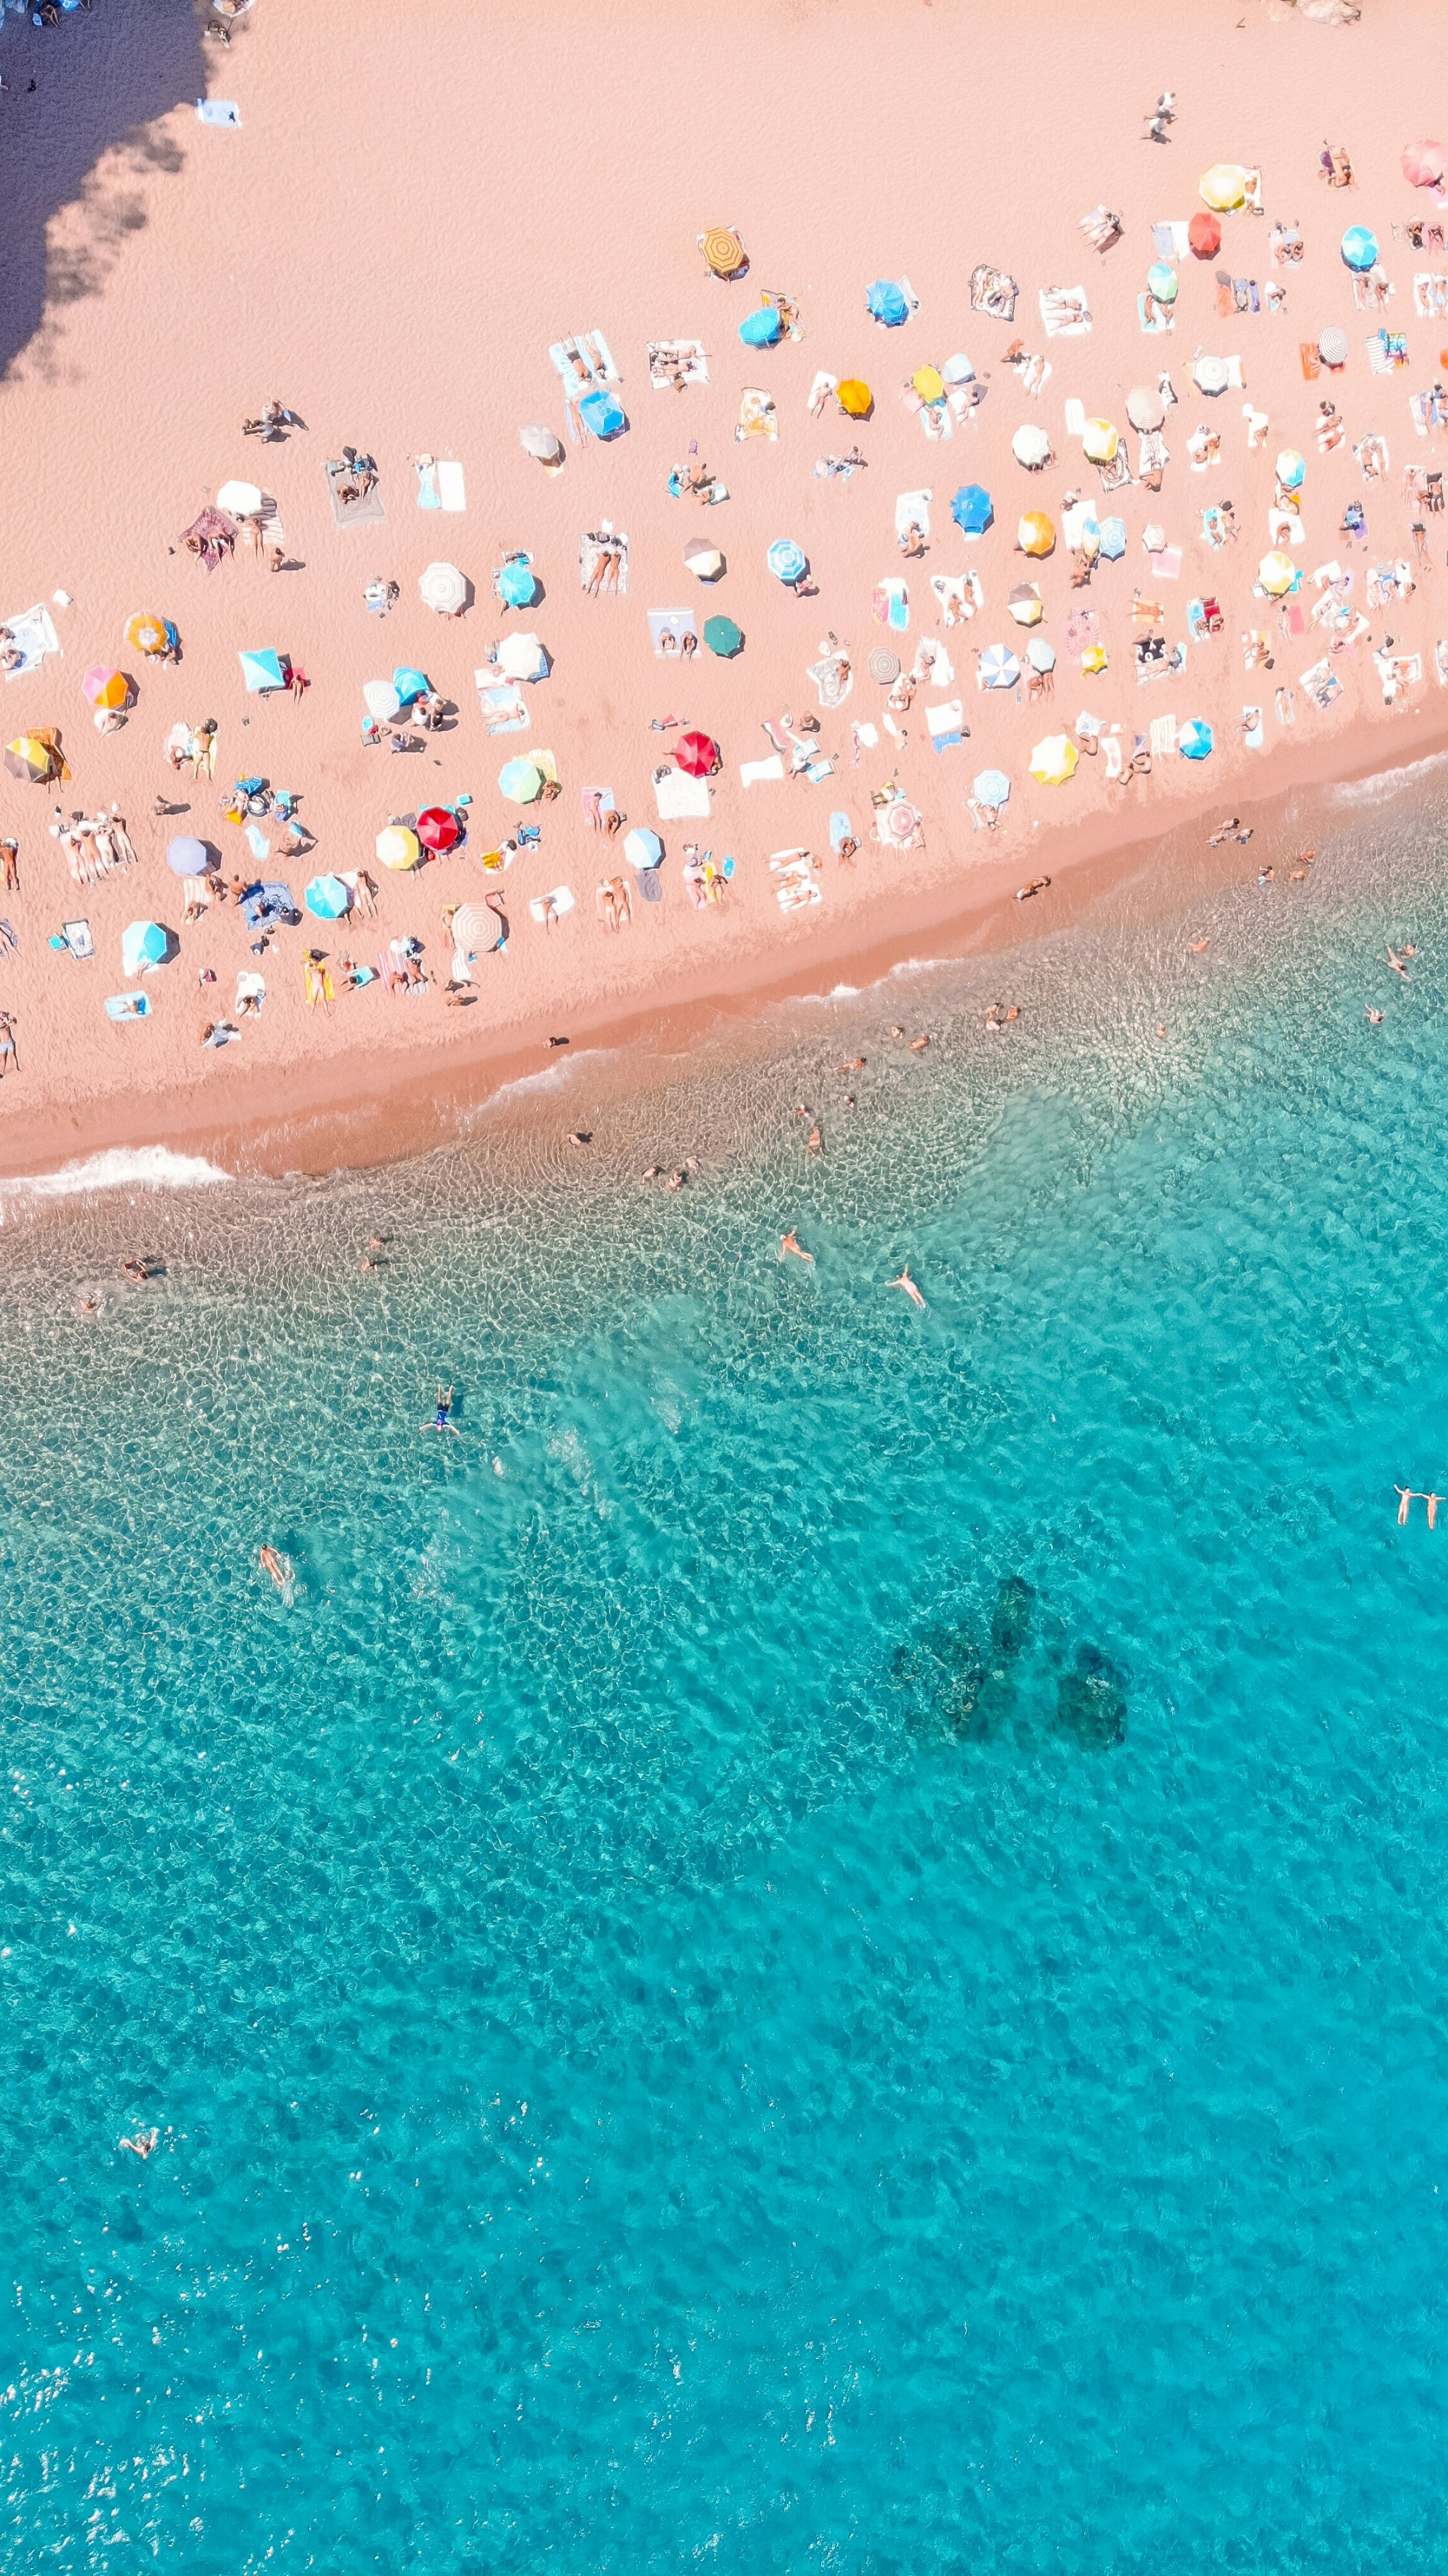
{"type": "Point", "coordinates": [403, 222]}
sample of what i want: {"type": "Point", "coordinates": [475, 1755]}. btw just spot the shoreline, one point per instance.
{"type": "Point", "coordinates": [415, 1101]}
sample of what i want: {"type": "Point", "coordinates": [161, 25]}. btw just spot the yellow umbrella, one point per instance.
{"type": "Point", "coordinates": [1100, 439]}
{"type": "Point", "coordinates": [146, 634]}
{"type": "Point", "coordinates": [28, 756]}
{"type": "Point", "coordinates": [1024, 605]}
{"type": "Point", "coordinates": [1036, 534]}
{"type": "Point", "coordinates": [1093, 660]}
{"type": "Point", "coordinates": [1275, 573]}
{"type": "Point", "coordinates": [397, 847]}
{"type": "Point", "coordinates": [855, 397]}
{"type": "Point", "coordinates": [1223, 187]}
{"type": "Point", "coordinates": [929, 383]}
{"type": "Point", "coordinates": [1054, 760]}
{"type": "Point", "coordinates": [723, 250]}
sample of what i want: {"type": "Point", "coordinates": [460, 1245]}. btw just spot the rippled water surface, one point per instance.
{"type": "Point", "coordinates": [820, 1944]}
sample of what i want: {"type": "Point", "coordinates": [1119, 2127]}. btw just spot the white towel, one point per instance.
{"type": "Point", "coordinates": [1075, 416]}
{"type": "Point", "coordinates": [753, 773]}
{"type": "Point", "coordinates": [450, 492]}
{"type": "Point", "coordinates": [912, 510]}
{"type": "Point", "coordinates": [944, 722]}
{"type": "Point", "coordinates": [1163, 736]}
{"type": "Point", "coordinates": [681, 799]}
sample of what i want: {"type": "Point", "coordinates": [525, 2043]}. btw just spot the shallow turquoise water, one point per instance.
{"type": "Point", "coordinates": [671, 2046]}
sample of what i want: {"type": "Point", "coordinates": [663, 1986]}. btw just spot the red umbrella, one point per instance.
{"type": "Point", "coordinates": [437, 829]}
{"type": "Point", "coordinates": [1204, 236]}
{"type": "Point", "coordinates": [1424, 164]}
{"type": "Point", "coordinates": [696, 754]}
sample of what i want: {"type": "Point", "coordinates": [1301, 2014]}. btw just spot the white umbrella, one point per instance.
{"type": "Point", "coordinates": [1144, 408]}
{"type": "Point", "coordinates": [1030, 446]}
{"type": "Point", "coordinates": [544, 444]}
{"type": "Point", "coordinates": [381, 699]}
{"type": "Point", "coordinates": [1209, 375]}
{"type": "Point", "coordinates": [521, 657]}
{"type": "Point", "coordinates": [475, 926]}
{"type": "Point", "coordinates": [240, 500]}
{"type": "Point", "coordinates": [443, 588]}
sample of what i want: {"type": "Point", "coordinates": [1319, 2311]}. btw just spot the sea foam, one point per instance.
{"type": "Point", "coordinates": [120, 1167]}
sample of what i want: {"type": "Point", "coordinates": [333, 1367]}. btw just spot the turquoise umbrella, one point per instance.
{"type": "Point", "coordinates": [327, 898]}
{"type": "Point", "coordinates": [1162, 282]}
{"type": "Point", "coordinates": [722, 637]}
{"type": "Point", "coordinates": [1195, 740]}
{"type": "Point", "coordinates": [1360, 248]}
{"type": "Point", "coordinates": [409, 684]}
{"type": "Point", "coordinates": [760, 330]}
{"type": "Point", "coordinates": [262, 671]}
{"type": "Point", "coordinates": [516, 586]}
{"type": "Point", "coordinates": [786, 560]}
{"type": "Point", "coordinates": [143, 944]}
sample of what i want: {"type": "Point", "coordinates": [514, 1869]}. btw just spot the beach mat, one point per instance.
{"type": "Point", "coordinates": [353, 514]}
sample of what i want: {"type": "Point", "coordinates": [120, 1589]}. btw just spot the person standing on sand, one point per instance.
{"type": "Point", "coordinates": [10, 853]}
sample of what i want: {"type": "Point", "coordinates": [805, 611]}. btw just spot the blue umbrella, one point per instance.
{"type": "Point", "coordinates": [262, 671]}
{"type": "Point", "coordinates": [1162, 282]}
{"type": "Point", "coordinates": [409, 684]}
{"type": "Point", "coordinates": [1113, 539]}
{"type": "Point", "coordinates": [602, 413]}
{"type": "Point", "coordinates": [1360, 247]}
{"type": "Point", "coordinates": [143, 944]}
{"type": "Point", "coordinates": [787, 561]}
{"type": "Point", "coordinates": [760, 330]}
{"type": "Point", "coordinates": [328, 898]}
{"type": "Point", "coordinates": [516, 586]}
{"type": "Point", "coordinates": [1195, 740]}
{"type": "Point", "coordinates": [887, 302]}
{"type": "Point", "coordinates": [993, 787]}
{"type": "Point", "coordinates": [998, 667]}
{"type": "Point", "coordinates": [972, 510]}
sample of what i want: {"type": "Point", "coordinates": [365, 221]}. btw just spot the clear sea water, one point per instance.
{"type": "Point", "coordinates": [842, 1967]}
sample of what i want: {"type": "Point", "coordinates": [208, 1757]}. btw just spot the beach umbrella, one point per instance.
{"type": "Point", "coordinates": [187, 857]}
{"type": "Point", "coordinates": [397, 847]}
{"type": "Point", "coordinates": [722, 637]}
{"type": "Point", "coordinates": [1153, 537]}
{"type": "Point", "coordinates": [474, 926]}
{"type": "Point", "coordinates": [1223, 187]}
{"type": "Point", "coordinates": [28, 757]}
{"type": "Point", "coordinates": [442, 587]}
{"type": "Point", "coordinates": [602, 413]}
{"type": "Point", "coordinates": [884, 666]}
{"type": "Point", "coordinates": [1030, 446]}
{"type": "Point", "coordinates": [1054, 760]}
{"type": "Point", "coordinates": [642, 849]}
{"type": "Point", "coordinates": [855, 398]}
{"type": "Point", "coordinates": [261, 671]}
{"type": "Point", "coordinates": [697, 754]}
{"type": "Point", "coordinates": [723, 251]}
{"type": "Point", "coordinates": [516, 586]}
{"type": "Point", "coordinates": [760, 330]}
{"type": "Point", "coordinates": [1424, 164]}
{"type": "Point", "coordinates": [992, 787]}
{"type": "Point", "coordinates": [1161, 281]}
{"type": "Point", "coordinates": [1359, 248]}
{"type": "Point", "coordinates": [107, 688]}
{"type": "Point", "coordinates": [146, 634]}
{"type": "Point", "coordinates": [1275, 574]}
{"type": "Point", "coordinates": [1113, 539]}
{"type": "Point", "coordinates": [410, 684]}
{"type": "Point", "coordinates": [381, 700]}
{"type": "Point", "coordinates": [902, 821]}
{"type": "Point", "coordinates": [887, 302]}
{"type": "Point", "coordinates": [240, 500]}
{"type": "Point", "coordinates": [144, 944]}
{"type": "Point", "coordinates": [787, 561]}
{"type": "Point", "coordinates": [998, 667]}
{"type": "Point", "coordinates": [1040, 654]}
{"type": "Point", "coordinates": [1024, 604]}
{"type": "Point", "coordinates": [1291, 467]}
{"type": "Point", "coordinates": [520, 780]}
{"type": "Point", "coordinates": [521, 657]}
{"type": "Point", "coordinates": [1036, 534]}
{"type": "Point", "coordinates": [1100, 440]}
{"type": "Point", "coordinates": [438, 829]}
{"type": "Point", "coordinates": [1144, 408]}
{"type": "Point", "coordinates": [705, 562]}
{"type": "Point", "coordinates": [1195, 740]}
{"type": "Point", "coordinates": [971, 510]}
{"type": "Point", "coordinates": [1204, 236]}
{"type": "Point", "coordinates": [1332, 346]}
{"type": "Point", "coordinates": [545, 444]}
{"type": "Point", "coordinates": [1093, 660]}
{"type": "Point", "coordinates": [929, 383]}
{"type": "Point", "coordinates": [1209, 375]}
{"type": "Point", "coordinates": [327, 898]}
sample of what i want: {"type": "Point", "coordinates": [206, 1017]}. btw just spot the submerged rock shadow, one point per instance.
{"type": "Point", "coordinates": [953, 1685]}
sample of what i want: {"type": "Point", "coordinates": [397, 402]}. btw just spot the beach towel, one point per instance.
{"type": "Point", "coordinates": [1430, 296]}
{"type": "Point", "coordinates": [561, 900]}
{"type": "Point", "coordinates": [945, 723]}
{"type": "Point", "coordinates": [451, 491]}
{"type": "Point", "coordinates": [957, 595]}
{"type": "Point", "coordinates": [1152, 316]}
{"type": "Point", "coordinates": [890, 605]}
{"type": "Point", "coordinates": [1252, 729]}
{"type": "Point", "coordinates": [834, 677]}
{"type": "Point", "coordinates": [756, 415]}
{"type": "Point", "coordinates": [607, 547]}
{"type": "Point", "coordinates": [1111, 752]}
{"type": "Point", "coordinates": [677, 362]}
{"type": "Point", "coordinates": [128, 1006]}
{"type": "Point", "coordinates": [198, 895]}
{"type": "Point", "coordinates": [680, 799]}
{"type": "Point", "coordinates": [1065, 312]}
{"type": "Point", "coordinates": [1075, 416]}
{"type": "Point", "coordinates": [865, 737]}
{"type": "Point", "coordinates": [1322, 684]}
{"type": "Point", "coordinates": [1163, 736]}
{"type": "Point", "coordinates": [1285, 528]}
{"type": "Point", "coordinates": [77, 937]}
{"type": "Point", "coordinates": [820, 391]}
{"type": "Point", "coordinates": [585, 365]}
{"type": "Point", "coordinates": [1372, 458]}
{"type": "Point", "coordinates": [667, 629]}
{"type": "Point", "coordinates": [352, 514]}
{"type": "Point", "coordinates": [217, 111]}
{"type": "Point", "coordinates": [756, 773]}
{"type": "Point", "coordinates": [504, 707]}
{"type": "Point", "coordinates": [935, 420]}
{"type": "Point", "coordinates": [992, 291]}
{"type": "Point", "coordinates": [912, 510]}
{"type": "Point", "coordinates": [1152, 454]}
{"type": "Point", "coordinates": [841, 829]}
{"type": "Point", "coordinates": [33, 634]}
{"type": "Point", "coordinates": [932, 663]}
{"type": "Point", "coordinates": [250, 987]}
{"type": "Point", "coordinates": [1170, 240]}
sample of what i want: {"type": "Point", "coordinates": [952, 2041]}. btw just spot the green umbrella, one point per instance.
{"type": "Point", "coordinates": [722, 636]}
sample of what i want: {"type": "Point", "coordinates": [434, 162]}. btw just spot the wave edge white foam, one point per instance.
{"type": "Point", "coordinates": [1386, 782]}
{"type": "Point", "coordinates": [119, 1167]}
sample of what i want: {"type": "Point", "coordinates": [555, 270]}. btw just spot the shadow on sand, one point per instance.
{"type": "Point", "coordinates": [101, 78]}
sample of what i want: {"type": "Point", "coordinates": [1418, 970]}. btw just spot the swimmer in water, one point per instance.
{"type": "Point", "coordinates": [907, 1283]}
{"type": "Point", "coordinates": [272, 1562]}
{"type": "Point", "coordinates": [1405, 1495]}
{"type": "Point", "coordinates": [141, 2144]}
{"type": "Point", "coordinates": [1433, 1501]}
{"type": "Point", "coordinates": [442, 1419]}
{"type": "Point", "coordinates": [1396, 963]}
{"type": "Point", "coordinates": [791, 1243]}
{"type": "Point", "coordinates": [1376, 1017]}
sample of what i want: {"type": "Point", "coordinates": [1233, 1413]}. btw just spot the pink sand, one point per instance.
{"type": "Point", "coordinates": [416, 204]}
